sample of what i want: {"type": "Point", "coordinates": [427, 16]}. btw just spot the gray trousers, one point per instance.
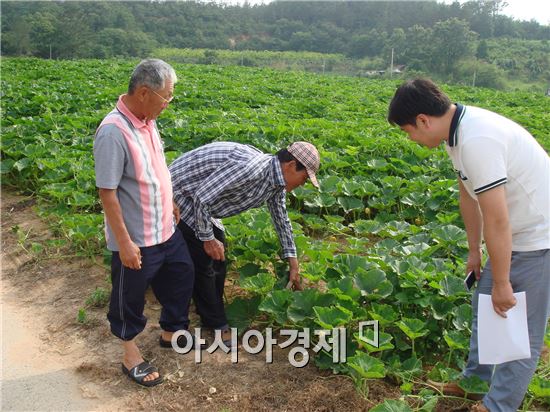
{"type": "Point", "coordinates": [529, 272]}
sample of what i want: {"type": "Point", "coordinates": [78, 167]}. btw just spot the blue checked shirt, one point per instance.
{"type": "Point", "coordinates": [223, 179]}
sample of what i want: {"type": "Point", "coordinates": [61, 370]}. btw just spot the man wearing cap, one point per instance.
{"type": "Point", "coordinates": [223, 179]}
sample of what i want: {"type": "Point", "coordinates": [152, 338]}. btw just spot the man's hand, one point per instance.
{"type": "Point", "coordinates": [474, 262]}
{"type": "Point", "coordinates": [176, 212]}
{"type": "Point", "coordinates": [214, 248]}
{"type": "Point", "coordinates": [503, 298]}
{"type": "Point", "coordinates": [130, 255]}
{"type": "Point", "coordinates": [129, 252]}
{"type": "Point", "coordinates": [294, 274]}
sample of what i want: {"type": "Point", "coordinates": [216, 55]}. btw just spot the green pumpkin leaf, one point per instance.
{"type": "Point", "coordinates": [473, 384]}
{"type": "Point", "coordinates": [392, 405]}
{"type": "Point", "coordinates": [462, 316]}
{"type": "Point", "coordinates": [332, 317]}
{"type": "Point", "coordinates": [452, 286]}
{"type": "Point", "coordinates": [441, 307]}
{"type": "Point", "coordinates": [373, 283]}
{"type": "Point", "coordinates": [456, 339]}
{"type": "Point", "coordinates": [385, 314]}
{"type": "Point", "coordinates": [346, 287]}
{"type": "Point", "coordinates": [350, 203]}
{"type": "Point", "coordinates": [261, 283]}
{"type": "Point", "coordinates": [367, 366]}
{"type": "Point", "coordinates": [242, 312]}
{"type": "Point", "coordinates": [250, 269]}
{"type": "Point", "coordinates": [449, 234]}
{"type": "Point", "coordinates": [276, 304]}
{"type": "Point", "coordinates": [302, 303]}
{"type": "Point", "coordinates": [413, 328]}
{"type": "Point", "coordinates": [384, 340]}
{"type": "Point", "coordinates": [540, 387]}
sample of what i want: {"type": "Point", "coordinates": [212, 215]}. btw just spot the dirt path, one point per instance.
{"type": "Point", "coordinates": [33, 378]}
{"type": "Point", "coordinates": [53, 362]}
{"type": "Point", "coordinates": [39, 372]}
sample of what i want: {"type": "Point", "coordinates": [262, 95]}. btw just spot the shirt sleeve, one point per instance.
{"type": "Point", "coordinates": [229, 175]}
{"type": "Point", "coordinates": [277, 208]}
{"type": "Point", "coordinates": [484, 161]}
{"type": "Point", "coordinates": [109, 157]}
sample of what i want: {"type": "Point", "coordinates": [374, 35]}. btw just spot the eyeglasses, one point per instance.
{"type": "Point", "coordinates": [163, 98]}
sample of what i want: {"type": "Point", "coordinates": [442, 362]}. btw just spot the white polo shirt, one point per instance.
{"type": "Point", "coordinates": [489, 150]}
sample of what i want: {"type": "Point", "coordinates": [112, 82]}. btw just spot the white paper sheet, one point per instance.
{"type": "Point", "coordinates": [502, 339]}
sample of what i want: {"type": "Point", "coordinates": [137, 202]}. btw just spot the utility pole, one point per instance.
{"type": "Point", "coordinates": [50, 51]}
{"type": "Point", "coordinates": [474, 79]}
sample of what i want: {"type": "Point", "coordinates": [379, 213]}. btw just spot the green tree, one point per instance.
{"type": "Point", "coordinates": [285, 28]}
{"type": "Point", "coordinates": [367, 45]}
{"type": "Point", "coordinates": [418, 50]}
{"type": "Point", "coordinates": [482, 52]}
{"type": "Point", "coordinates": [42, 35]}
{"type": "Point", "coordinates": [398, 42]}
{"type": "Point", "coordinates": [452, 41]}
{"type": "Point", "coordinates": [481, 74]}
{"type": "Point", "coordinates": [537, 65]}
{"type": "Point", "coordinates": [301, 41]}
{"type": "Point", "coordinates": [122, 43]}
{"type": "Point", "coordinates": [18, 39]}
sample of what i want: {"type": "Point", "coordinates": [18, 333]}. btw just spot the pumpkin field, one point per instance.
{"type": "Point", "coordinates": [381, 240]}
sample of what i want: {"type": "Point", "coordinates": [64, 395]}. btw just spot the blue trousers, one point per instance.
{"type": "Point", "coordinates": [529, 272]}
{"type": "Point", "coordinates": [168, 268]}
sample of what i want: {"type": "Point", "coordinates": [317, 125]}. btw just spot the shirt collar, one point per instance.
{"type": "Point", "coordinates": [455, 122]}
{"type": "Point", "coordinates": [276, 176]}
{"type": "Point", "coordinates": [122, 108]}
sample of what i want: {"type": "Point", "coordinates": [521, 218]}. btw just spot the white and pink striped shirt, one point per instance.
{"type": "Point", "coordinates": [129, 157]}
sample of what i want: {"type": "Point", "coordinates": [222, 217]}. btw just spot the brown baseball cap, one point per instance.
{"type": "Point", "coordinates": [307, 155]}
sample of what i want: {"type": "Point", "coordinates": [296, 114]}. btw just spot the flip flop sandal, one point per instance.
{"type": "Point", "coordinates": [139, 372]}
{"type": "Point", "coordinates": [182, 342]}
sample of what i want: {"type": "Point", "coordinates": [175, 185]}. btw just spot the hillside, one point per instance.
{"type": "Point", "coordinates": [454, 42]}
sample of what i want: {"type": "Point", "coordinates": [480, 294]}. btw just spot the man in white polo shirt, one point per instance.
{"type": "Point", "coordinates": [504, 180]}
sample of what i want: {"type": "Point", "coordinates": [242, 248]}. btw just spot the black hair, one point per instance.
{"type": "Point", "coordinates": [284, 156]}
{"type": "Point", "coordinates": [414, 97]}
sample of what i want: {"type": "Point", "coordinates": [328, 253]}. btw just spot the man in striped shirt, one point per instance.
{"type": "Point", "coordinates": [223, 179]}
{"type": "Point", "coordinates": [136, 194]}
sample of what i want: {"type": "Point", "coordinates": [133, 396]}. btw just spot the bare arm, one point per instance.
{"type": "Point", "coordinates": [277, 208]}
{"type": "Point", "coordinates": [294, 274]}
{"type": "Point", "coordinates": [469, 209]}
{"type": "Point", "coordinates": [176, 212]}
{"type": "Point", "coordinates": [130, 254]}
{"type": "Point", "coordinates": [498, 237]}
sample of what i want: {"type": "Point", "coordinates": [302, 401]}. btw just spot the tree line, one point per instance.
{"type": "Point", "coordinates": [424, 36]}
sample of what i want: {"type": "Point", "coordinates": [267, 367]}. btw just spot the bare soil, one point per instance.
{"type": "Point", "coordinates": [47, 289]}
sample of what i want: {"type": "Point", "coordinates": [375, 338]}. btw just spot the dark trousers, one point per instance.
{"type": "Point", "coordinates": [168, 268]}
{"type": "Point", "coordinates": [209, 279]}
